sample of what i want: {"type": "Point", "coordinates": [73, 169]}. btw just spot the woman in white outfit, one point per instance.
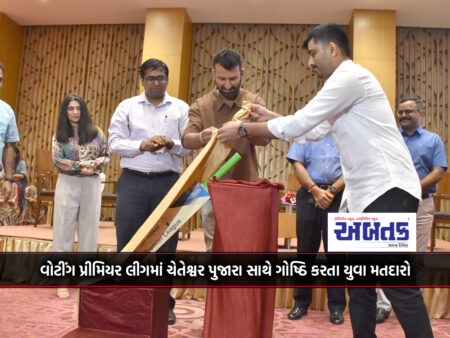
{"type": "Point", "coordinates": [79, 153]}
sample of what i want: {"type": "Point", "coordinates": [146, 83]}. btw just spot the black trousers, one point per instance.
{"type": "Point", "coordinates": [312, 226]}
{"type": "Point", "coordinates": [137, 197]}
{"type": "Point", "coordinates": [407, 302]}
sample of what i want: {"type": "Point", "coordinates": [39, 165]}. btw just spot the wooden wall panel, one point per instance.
{"type": "Point", "coordinates": [52, 67]}
{"type": "Point", "coordinates": [99, 62]}
{"type": "Point", "coordinates": [112, 74]}
{"type": "Point", "coordinates": [276, 69]}
{"type": "Point", "coordinates": [423, 72]}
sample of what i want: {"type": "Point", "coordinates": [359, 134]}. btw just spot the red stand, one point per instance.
{"type": "Point", "coordinates": [246, 221]}
{"type": "Point", "coordinates": [122, 312]}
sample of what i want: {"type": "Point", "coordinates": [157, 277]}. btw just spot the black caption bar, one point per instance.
{"type": "Point", "coordinates": [225, 269]}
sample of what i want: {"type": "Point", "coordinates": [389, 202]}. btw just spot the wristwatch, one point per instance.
{"type": "Point", "coordinates": [333, 189]}
{"type": "Point", "coordinates": [242, 132]}
{"type": "Point", "coordinates": [9, 179]}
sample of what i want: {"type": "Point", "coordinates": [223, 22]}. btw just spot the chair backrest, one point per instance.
{"type": "Point", "coordinates": [442, 194]}
{"type": "Point", "coordinates": [44, 162]}
{"type": "Point", "coordinates": [46, 171]}
{"type": "Point", "coordinates": [443, 186]}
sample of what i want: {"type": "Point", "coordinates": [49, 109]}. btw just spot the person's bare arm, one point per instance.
{"type": "Point", "coordinates": [321, 196]}
{"type": "Point", "coordinates": [339, 184]}
{"type": "Point", "coordinates": [8, 167]}
{"type": "Point", "coordinates": [18, 177]}
{"type": "Point", "coordinates": [433, 177]}
{"type": "Point", "coordinates": [229, 131]}
{"type": "Point", "coordinates": [198, 140]}
{"type": "Point", "coordinates": [261, 114]}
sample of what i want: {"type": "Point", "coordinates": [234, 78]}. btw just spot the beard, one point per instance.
{"type": "Point", "coordinates": [230, 94]}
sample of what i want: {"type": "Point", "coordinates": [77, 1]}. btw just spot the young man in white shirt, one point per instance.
{"type": "Point", "coordinates": [378, 171]}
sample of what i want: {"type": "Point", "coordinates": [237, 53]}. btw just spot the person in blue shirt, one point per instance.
{"type": "Point", "coordinates": [428, 155]}
{"type": "Point", "coordinates": [318, 169]}
{"type": "Point", "coordinates": [8, 136]}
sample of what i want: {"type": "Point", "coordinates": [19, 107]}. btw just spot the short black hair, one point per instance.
{"type": "Point", "coordinates": [153, 64]}
{"type": "Point", "coordinates": [418, 102]}
{"type": "Point", "coordinates": [329, 32]}
{"type": "Point", "coordinates": [228, 59]}
{"type": "Point", "coordinates": [2, 68]}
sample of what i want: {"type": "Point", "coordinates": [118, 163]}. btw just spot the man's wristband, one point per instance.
{"type": "Point", "coordinates": [9, 179]}
{"type": "Point", "coordinates": [310, 188]}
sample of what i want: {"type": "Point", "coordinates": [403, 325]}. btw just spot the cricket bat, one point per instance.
{"type": "Point", "coordinates": [204, 165]}
{"type": "Point", "coordinates": [188, 205]}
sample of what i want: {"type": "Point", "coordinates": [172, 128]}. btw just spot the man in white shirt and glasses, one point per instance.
{"type": "Point", "coordinates": [378, 171]}
{"type": "Point", "coordinates": [145, 131]}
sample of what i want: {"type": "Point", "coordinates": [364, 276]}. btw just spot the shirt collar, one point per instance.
{"type": "Point", "coordinates": [419, 131]}
{"type": "Point", "coordinates": [166, 99]}
{"type": "Point", "coordinates": [342, 66]}
{"type": "Point", "coordinates": [220, 100]}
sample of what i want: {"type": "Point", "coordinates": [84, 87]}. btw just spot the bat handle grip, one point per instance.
{"type": "Point", "coordinates": [225, 167]}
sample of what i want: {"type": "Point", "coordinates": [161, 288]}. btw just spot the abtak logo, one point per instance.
{"type": "Point", "coordinates": [369, 231]}
{"type": "Point", "coordinates": [372, 232]}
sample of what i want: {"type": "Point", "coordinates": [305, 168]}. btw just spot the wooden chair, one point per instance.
{"type": "Point", "coordinates": [441, 217]}
{"type": "Point", "coordinates": [109, 194]}
{"type": "Point", "coordinates": [46, 181]}
{"type": "Point", "coordinates": [287, 217]}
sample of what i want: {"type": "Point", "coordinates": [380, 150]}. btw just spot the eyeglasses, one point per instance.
{"type": "Point", "coordinates": [406, 111]}
{"type": "Point", "coordinates": [153, 79]}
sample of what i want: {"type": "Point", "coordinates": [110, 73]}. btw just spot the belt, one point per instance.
{"type": "Point", "coordinates": [148, 174]}
{"type": "Point", "coordinates": [324, 186]}
{"type": "Point", "coordinates": [426, 195]}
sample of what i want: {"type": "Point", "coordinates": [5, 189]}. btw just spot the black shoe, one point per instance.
{"type": "Point", "coordinates": [381, 315]}
{"type": "Point", "coordinates": [172, 317]}
{"type": "Point", "coordinates": [297, 312]}
{"type": "Point", "coordinates": [337, 317]}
